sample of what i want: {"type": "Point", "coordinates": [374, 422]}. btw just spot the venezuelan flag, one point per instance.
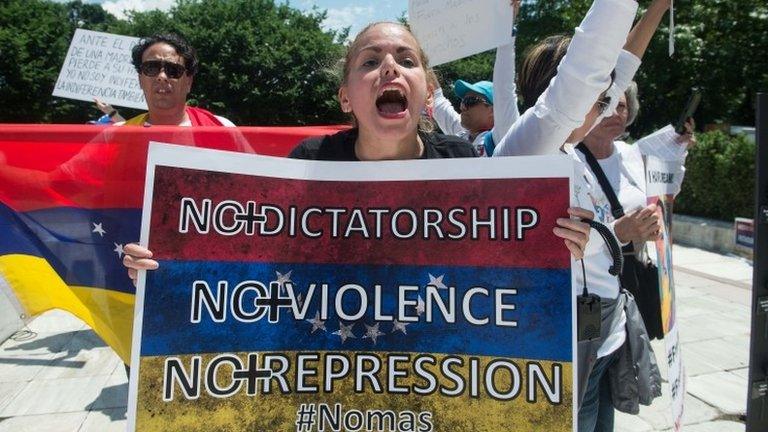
{"type": "Point", "coordinates": [198, 365]}
{"type": "Point", "coordinates": [70, 199]}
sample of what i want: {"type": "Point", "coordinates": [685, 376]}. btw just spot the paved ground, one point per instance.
{"type": "Point", "coordinates": [63, 378]}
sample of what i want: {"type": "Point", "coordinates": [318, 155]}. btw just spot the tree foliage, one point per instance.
{"type": "Point", "coordinates": [266, 63]}
{"type": "Point", "coordinates": [719, 178]}
{"type": "Point", "coordinates": [34, 37]}
{"type": "Point", "coordinates": [261, 62]}
{"type": "Point", "coordinates": [720, 48]}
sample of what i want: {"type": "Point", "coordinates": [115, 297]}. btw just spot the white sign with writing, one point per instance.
{"type": "Point", "coordinates": [98, 65]}
{"type": "Point", "coordinates": [452, 29]}
{"type": "Point", "coordinates": [663, 177]}
{"type": "Point", "coordinates": [664, 145]}
{"type": "Point", "coordinates": [676, 377]}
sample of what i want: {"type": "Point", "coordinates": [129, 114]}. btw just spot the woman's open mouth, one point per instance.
{"type": "Point", "coordinates": [392, 103]}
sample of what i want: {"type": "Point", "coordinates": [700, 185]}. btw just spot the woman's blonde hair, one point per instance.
{"type": "Point", "coordinates": [344, 66]}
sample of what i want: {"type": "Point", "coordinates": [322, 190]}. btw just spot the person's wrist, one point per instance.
{"type": "Point", "coordinates": [621, 236]}
{"type": "Point", "coordinates": [112, 113]}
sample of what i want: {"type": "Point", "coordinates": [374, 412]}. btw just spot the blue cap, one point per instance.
{"type": "Point", "coordinates": [105, 119]}
{"type": "Point", "coordinates": [485, 88]}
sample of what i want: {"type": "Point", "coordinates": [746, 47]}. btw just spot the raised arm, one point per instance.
{"type": "Point", "coordinates": [637, 43]}
{"type": "Point", "coordinates": [505, 111]}
{"type": "Point", "coordinates": [641, 35]}
{"type": "Point", "coordinates": [583, 74]}
{"type": "Point", "coordinates": [443, 113]}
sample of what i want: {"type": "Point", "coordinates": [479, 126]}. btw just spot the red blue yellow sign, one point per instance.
{"type": "Point", "coordinates": [325, 296]}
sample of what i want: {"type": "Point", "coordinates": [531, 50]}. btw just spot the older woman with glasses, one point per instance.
{"type": "Point", "coordinates": [624, 168]}
{"type": "Point", "coordinates": [567, 87]}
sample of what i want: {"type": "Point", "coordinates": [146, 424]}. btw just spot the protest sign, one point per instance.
{"type": "Point", "coordinates": [456, 29]}
{"type": "Point", "coordinates": [323, 296]}
{"type": "Point", "coordinates": [745, 232]}
{"type": "Point", "coordinates": [98, 65]}
{"type": "Point", "coordinates": [663, 145]}
{"type": "Point", "coordinates": [663, 182]}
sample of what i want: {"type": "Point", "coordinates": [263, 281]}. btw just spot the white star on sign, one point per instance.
{"type": "Point", "coordinates": [420, 306]}
{"type": "Point", "coordinates": [317, 323]}
{"type": "Point", "coordinates": [437, 281]}
{"type": "Point", "coordinates": [119, 250]}
{"type": "Point", "coordinates": [282, 279]}
{"type": "Point", "coordinates": [397, 325]}
{"type": "Point", "coordinates": [344, 332]}
{"type": "Point", "coordinates": [372, 332]}
{"type": "Point", "coordinates": [98, 229]}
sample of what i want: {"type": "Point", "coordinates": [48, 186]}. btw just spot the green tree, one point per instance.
{"type": "Point", "coordinates": [266, 63]}
{"type": "Point", "coordinates": [34, 37]}
{"type": "Point", "coordinates": [720, 48]}
{"type": "Point", "coordinates": [260, 62]}
{"type": "Point", "coordinates": [719, 178]}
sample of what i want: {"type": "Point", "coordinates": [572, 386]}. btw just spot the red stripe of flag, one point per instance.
{"type": "Point", "coordinates": [540, 248]}
{"type": "Point", "coordinates": [103, 167]}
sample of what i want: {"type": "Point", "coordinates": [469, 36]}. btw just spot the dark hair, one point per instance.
{"type": "Point", "coordinates": [182, 47]}
{"type": "Point", "coordinates": [540, 66]}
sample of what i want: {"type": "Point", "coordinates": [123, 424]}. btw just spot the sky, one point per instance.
{"type": "Point", "coordinates": [341, 13]}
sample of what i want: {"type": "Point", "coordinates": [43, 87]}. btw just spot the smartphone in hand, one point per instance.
{"type": "Point", "coordinates": [690, 109]}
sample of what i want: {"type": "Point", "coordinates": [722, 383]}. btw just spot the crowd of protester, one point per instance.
{"type": "Point", "coordinates": [576, 97]}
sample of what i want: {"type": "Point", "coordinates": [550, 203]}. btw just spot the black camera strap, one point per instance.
{"type": "Point", "coordinates": [589, 306]}
{"type": "Point", "coordinates": [616, 208]}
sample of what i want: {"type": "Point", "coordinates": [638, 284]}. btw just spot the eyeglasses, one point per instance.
{"type": "Point", "coordinates": [152, 68]}
{"type": "Point", "coordinates": [602, 104]}
{"type": "Point", "coordinates": [470, 101]}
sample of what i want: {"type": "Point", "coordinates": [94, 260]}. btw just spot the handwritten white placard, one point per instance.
{"type": "Point", "coordinates": [663, 144]}
{"type": "Point", "coordinates": [98, 65]}
{"type": "Point", "coordinates": [453, 29]}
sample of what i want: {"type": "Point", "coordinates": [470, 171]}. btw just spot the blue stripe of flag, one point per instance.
{"type": "Point", "coordinates": [543, 311]}
{"type": "Point", "coordinates": [67, 238]}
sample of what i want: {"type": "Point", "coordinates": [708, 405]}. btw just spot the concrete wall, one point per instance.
{"type": "Point", "coordinates": [707, 234]}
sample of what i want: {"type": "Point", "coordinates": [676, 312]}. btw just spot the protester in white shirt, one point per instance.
{"type": "Point", "coordinates": [488, 109]}
{"type": "Point", "coordinates": [623, 164]}
{"type": "Point", "coordinates": [563, 104]}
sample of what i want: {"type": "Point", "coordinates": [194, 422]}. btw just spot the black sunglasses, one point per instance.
{"type": "Point", "coordinates": [470, 101]}
{"type": "Point", "coordinates": [152, 68]}
{"type": "Point", "coordinates": [602, 104]}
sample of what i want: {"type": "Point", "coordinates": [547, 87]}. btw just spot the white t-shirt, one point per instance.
{"type": "Point", "coordinates": [629, 190]}
{"type": "Point", "coordinates": [597, 258]}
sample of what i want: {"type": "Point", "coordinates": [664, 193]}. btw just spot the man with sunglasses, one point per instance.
{"type": "Point", "coordinates": [167, 64]}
